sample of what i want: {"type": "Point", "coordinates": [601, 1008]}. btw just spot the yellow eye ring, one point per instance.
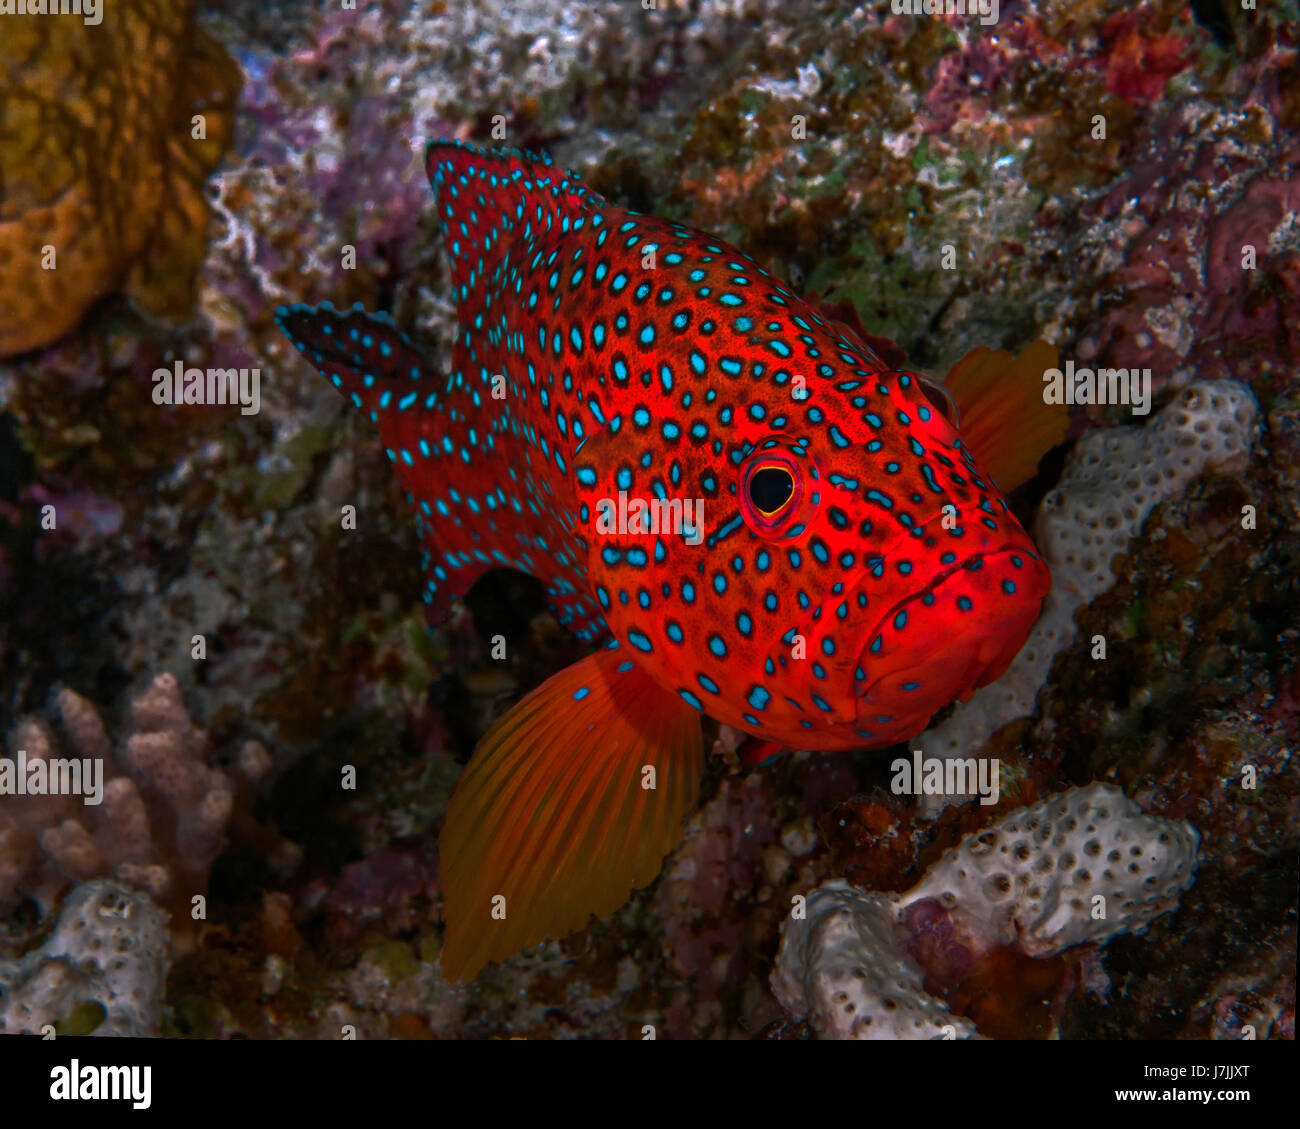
{"type": "Point", "coordinates": [770, 487]}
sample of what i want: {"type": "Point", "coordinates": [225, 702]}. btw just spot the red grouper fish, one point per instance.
{"type": "Point", "coordinates": [759, 519]}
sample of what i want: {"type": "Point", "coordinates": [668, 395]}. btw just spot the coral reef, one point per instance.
{"type": "Point", "coordinates": [103, 163]}
{"type": "Point", "coordinates": [1112, 481]}
{"type": "Point", "coordinates": [1075, 869]}
{"type": "Point", "coordinates": [1201, 248]}
{"type": "Point", "coordinates": [847, 148]}
{"type": "Point", "coordinates": [101, 971]}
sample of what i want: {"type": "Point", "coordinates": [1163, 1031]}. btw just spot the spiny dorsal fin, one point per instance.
{"type": "Point", "coordinates": [494, 203]}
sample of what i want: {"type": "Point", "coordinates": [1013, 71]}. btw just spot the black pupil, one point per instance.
{"type": "Point", "coordinates": [770, 488]}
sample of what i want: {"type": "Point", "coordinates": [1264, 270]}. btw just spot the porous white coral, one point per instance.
{"type": "Point", "coordinates": [1080, 867]}
{"type": "Point", "coordinates": [1112, 481]}
{"type": "Point", "coordinates": [110, 947]}
{"type": "Point", "coordinates": [842, 969]}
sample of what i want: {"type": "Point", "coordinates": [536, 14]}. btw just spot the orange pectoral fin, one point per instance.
{"type": "Point", "coordinates": [1005, 419]}
{"type": "Point", "coordinates": [558, 813]}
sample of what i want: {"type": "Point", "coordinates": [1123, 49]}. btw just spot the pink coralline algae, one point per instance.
{"type": "Point", "coordinates": [1139, 59]}
{"type": "Point", "coordinates": [1134, 55]}
{"type": "Point", "coordinates": [968, 83]}
{"type": "Point", "coordinates": [1209, 279]}
{"type": "Point", "coordinates": [83, 518]}
{"type": "Point", "coordinates": [720, 858]}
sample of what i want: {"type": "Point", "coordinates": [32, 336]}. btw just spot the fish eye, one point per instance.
{"type": "Point", "coordinates": [773, 492]}
{"type": "Point", "coordinates": [770, 489]}
{"type": "Point", "coordinates": [940, 399]}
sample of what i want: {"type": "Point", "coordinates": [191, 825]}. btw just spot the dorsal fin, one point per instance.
{"type": "Point", "coordinates": [490, 202]}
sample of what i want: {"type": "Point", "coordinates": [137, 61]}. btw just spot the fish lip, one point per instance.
{"type": "Point", "coordinates": [861, 688]}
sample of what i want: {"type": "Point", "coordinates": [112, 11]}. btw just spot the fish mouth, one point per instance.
{"type": "Point", "coordinates": [943, 642]}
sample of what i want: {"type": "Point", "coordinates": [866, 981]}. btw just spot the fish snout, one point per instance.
{"type": "Point", "coordinates": [947, 640]}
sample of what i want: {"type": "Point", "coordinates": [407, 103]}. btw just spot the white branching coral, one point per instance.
{"type": "Point", "coordinates": [1081, 867]}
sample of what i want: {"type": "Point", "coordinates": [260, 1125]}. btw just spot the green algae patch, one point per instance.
{"type": "Point", "coordinates": [82, 1019]}
{"type": "Point", "coordinates": [396, 960]}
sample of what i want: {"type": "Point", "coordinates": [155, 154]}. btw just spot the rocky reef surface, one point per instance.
{"type": "Point", "coordinates": [282, 730]}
